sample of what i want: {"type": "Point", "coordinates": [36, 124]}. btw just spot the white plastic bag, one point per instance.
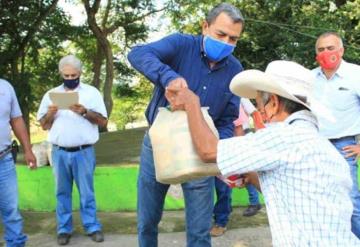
{"type": "Point", "coordinates": [40, 152]}
{"type": "Point", "coordinates": [175, 157]}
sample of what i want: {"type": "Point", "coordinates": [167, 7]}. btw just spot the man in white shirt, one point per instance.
{"type": "Point", "coordinates": [73, 132]}
{"type": "Point", "coordinates": [337, 86]}
{"type": "Point", "coordinates": [304, 180]}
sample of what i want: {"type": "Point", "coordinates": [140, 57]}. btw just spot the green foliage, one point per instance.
{"type": "Point", "coordinates": [280, 29]}
{"type": "Point", "coordinates": [130, 102]}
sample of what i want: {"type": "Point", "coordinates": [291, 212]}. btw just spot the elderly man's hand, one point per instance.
{"type": "Point", "coordinates": [181, 98]}
{"type": "Point", "coordinates": [352, 150]}
{"type": "Point", "coordinates": [52, 110]}
{"type": "Point", "coordinates": [175, 84]}
{"type": "Point", "coordinates": [78, 108]}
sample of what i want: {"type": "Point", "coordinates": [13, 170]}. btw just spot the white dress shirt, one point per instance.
{"type": "Point", "coordinates": [341, 95]}
{"type": "Point", "coordinates": [70, 129]}
{"type": "Point", "coordinates": [305, 182]}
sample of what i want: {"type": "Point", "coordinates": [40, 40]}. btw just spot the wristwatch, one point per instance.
{"type": "Point", "coordinates": [85, 112]}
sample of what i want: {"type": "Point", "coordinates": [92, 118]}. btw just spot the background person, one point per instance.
{"type": "Point", "coordinates": [337, 86]}
{"type": "Point", "coordinates": [11, 118]}
{"type": "Point", "coordinates": [73, 132]}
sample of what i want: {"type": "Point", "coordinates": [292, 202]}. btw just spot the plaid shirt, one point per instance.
{"type": "Point", "coordinates": [305, 181]}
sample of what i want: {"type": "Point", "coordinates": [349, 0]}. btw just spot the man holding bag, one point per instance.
{"type": "Point", "coordinates": [305, 182]}
{"type": "Point", "coordinates": [203, 64]}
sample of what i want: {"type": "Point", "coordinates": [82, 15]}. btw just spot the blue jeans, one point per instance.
{"type": "Point", "coordinates": [222, 208]}
{"type": "Point", "coordinates": [253, 194]}
{"type": "Point", "coordinates": [198, 195]}
{"type": "Point", "coordinates": [9, 206]}
{"type": "Point", "coordinates": [355, 193]}
{"type": "Point", "coordinates": [78, 166]}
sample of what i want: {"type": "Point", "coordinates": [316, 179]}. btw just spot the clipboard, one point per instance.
{"type": "Point", "coordinates": [63, 100]}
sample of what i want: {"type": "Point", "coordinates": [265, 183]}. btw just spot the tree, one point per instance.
{"type": "Point", "coordinates": [280, 29]}
{"type": "Point", "coordinates": [123, 16]}
{"type": "Point", "coordinates": [22, 24]}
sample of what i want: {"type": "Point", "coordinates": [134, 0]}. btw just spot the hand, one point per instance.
{"type": "Point", "coordinates": [181, 98]}
{"type": "Point", "coordinates": [233, 181]}
{"type": "Point", "coordinates": [250, 178]}
{"type": "Point", "coordinates": [352, 150]}
{"type": "Point", "coordinates": [77, 108]}
{"type": "Point", "coordinates": [52, 110]}
{"type": "Point", "coordinates": [174, 85]}
{"type": "Point", "coordinates": [177, 83]}
{"type": "Point", "coordinates": [30, 159]}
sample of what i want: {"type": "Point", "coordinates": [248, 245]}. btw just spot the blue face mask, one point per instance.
{"type": "Point", "coordinates": [215, 49]}
{"type": "Point", "coordinates": [71, 83]}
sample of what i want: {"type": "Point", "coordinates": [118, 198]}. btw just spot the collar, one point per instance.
{"type": "Point", "coordinates": [340, 72]}
{"type": "Point", "coordinates": [304, 115]}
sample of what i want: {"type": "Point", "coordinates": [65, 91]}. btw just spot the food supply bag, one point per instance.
{"type": "Point", "coordinates": [175, 157]}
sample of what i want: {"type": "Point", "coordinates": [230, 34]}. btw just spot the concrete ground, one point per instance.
{"type": "Point", "coordinates": [120, 230]}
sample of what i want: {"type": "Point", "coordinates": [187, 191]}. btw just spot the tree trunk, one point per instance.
{"type": "Point", "coordinates": [101, 37]}
{"type": "Point", "coordinates": [98, 59]}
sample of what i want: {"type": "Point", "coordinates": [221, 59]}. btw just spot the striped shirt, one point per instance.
{"type": "Point", "coordinates": [304, 180]}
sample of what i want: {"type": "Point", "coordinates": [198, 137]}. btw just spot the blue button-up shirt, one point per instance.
{"type": "Point", "coordinates": [181, 55]}
{"type": "Point", "coordinates": [341, 95]}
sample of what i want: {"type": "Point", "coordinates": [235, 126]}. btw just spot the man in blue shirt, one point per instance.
{"type": "Point", "coordinates": [337, 87]}
{"type": "Point", "coordinates": [11, 119]}
{"type": "Point", "coordinates": [205, 65]}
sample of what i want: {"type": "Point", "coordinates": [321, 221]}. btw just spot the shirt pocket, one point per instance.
{"type": "Point", "coordinates": [342, 100]}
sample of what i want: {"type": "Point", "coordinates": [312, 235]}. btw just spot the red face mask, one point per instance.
{"type": "Point", "coordinates": [328, 59]}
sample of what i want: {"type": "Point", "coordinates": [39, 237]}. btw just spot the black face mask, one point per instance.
{"type": "Point", "coordinates": [72, 83]}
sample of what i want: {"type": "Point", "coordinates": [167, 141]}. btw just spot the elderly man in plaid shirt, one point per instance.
{"type": "Point", "coordinates": [304, 180]}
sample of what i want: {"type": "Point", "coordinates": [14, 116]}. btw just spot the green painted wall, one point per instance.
{"type": "Point", "coordinates": [115, 189]}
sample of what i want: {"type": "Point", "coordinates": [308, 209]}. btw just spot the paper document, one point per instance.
{"type": "Point", "coordinates": [63, 100]}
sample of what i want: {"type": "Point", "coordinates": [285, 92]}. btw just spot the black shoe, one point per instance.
{"type": "Point", "coordinates": [63, 238]}
{"type": "Point", "coordinates": [97, 236]}
{"type": "Point", "coordinates": [252, 210]}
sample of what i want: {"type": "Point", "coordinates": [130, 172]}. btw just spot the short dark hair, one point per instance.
{"type": "Point", "coordinates": [233, 12]}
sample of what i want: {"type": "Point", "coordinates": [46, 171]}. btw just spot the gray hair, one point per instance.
{"type": "Point", "coordinates": [327, 34]}
{"type": "Point", "coordinates": [233, 12]}
{"type": "Point", "coordinates": [72, 61]}
{"type": "Point", "coordinates": [289, 105]}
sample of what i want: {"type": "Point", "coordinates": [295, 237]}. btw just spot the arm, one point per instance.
{"type": "Point", "coordinates": [152, 60]}
{"type": "Point", "coordinates": [48, 119]}
{"type": "Point", "coordinates": [204, 140]}
{"type": "Point", "coordinates": [19, 128]}
{"type": "Point", "coordinates": [91, 116]}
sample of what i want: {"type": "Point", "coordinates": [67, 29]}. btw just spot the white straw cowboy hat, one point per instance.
{"type": "Point", "coordinates": [284, 78]}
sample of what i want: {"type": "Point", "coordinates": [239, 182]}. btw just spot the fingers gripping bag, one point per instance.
{"type": "Point", "coordinates": [175, 157]}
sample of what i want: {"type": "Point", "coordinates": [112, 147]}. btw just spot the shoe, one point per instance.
{"type": "Point", "coordinates": [97, 236]}
{"type": "Point", "coordinates": [63, 238]}
{"type": "Point", "coordinates": [252, 210]}
{"type": "Point", "coordinates": [217, 231]}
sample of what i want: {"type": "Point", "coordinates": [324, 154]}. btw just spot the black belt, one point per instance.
{"type": "Point", "coordinates": [73, 149]}
{"type": "Point", "coordinates": [5, 152]}
{"type": "Point", "coordinates": [343, 138]}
